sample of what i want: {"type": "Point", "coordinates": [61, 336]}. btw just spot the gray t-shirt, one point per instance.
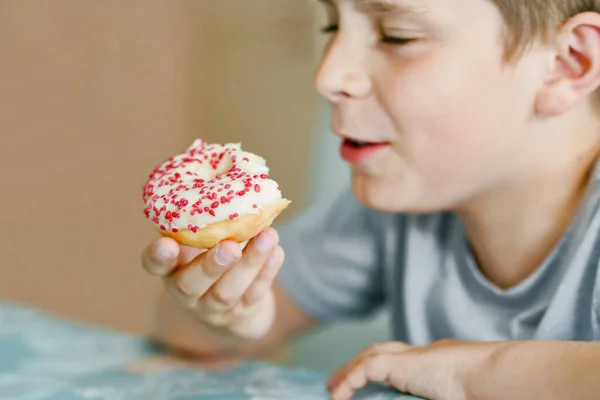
{"type": "Point", "coordinates": [348, 261]}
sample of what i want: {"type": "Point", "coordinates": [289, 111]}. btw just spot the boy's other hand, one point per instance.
{"type": "Point", "coordinates": [441, 370]}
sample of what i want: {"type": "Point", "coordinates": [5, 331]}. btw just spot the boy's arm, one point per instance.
{"type": "Point", "coordinates": [540, 370]}
{"type": "Point", "coordinates": [174, 327]}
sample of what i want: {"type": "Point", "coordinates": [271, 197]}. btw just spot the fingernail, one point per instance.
{"type": "Point", "coordinates": [223, 257]}
{"type": "Point", "coordinates": [164, 252]}
{"type": "Point", "coordinates": [265, 242]}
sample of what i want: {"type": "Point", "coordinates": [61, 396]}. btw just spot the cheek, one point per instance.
{"type": "Point", "coordinates": [446, 110]}
{"type": "Point", "coordinates": [439, 84]}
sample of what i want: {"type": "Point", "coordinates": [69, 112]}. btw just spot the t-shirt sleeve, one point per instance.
{"type": "Point", "coordinates": [332, 269]}
{"type": "Point", "coordinates": [596, 304]}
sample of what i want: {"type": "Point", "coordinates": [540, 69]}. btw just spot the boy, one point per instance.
{"type": "Point", "coordinates": [473, 136]}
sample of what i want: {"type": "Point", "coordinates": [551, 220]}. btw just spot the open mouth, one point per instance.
{"type": "Point", "coordinates": [360, 144]}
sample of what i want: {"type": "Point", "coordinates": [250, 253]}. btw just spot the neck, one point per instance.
{"type": "Point", "coordinates": [514, 226]}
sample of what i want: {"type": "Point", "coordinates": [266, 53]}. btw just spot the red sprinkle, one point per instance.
{"type": "Point", "coordinates": [257, 188]}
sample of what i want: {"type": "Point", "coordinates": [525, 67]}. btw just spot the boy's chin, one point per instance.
{"type": "Point", "coordinates": [389, 196]}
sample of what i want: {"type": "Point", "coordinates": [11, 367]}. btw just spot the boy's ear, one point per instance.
{"type": "Point", "coordinates": [576, 68]}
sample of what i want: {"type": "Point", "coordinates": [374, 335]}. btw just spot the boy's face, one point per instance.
{"type": "Point", "coordinates": [426, 87]}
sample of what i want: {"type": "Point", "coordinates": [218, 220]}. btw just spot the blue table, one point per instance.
{"type": "Point", "coordinates": [46, 358]}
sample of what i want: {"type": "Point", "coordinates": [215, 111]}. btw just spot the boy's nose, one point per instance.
{"type": "Point", "coordinates": [342, 73]}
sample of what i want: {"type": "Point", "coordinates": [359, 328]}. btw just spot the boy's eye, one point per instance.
{"type": "Point", "coordinates": [331, 28]}
{"type": "Point", "coordinates": [398, 41]}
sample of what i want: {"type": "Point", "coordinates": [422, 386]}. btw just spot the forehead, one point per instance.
{"type": "Point", "coordinates": [389, 5]}
{"type": "Point", "coordinates": [383, 6]}
{"type": "Point", "coordinates": [445, 10]}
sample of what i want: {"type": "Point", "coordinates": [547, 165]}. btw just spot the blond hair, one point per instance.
{"type": "Point", "coordinates": [530, 20]}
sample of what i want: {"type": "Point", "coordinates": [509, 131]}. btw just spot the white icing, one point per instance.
{"type": "Point", "coordinates": [165, 187]}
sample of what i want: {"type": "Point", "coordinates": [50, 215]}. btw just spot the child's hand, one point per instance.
{"type": "Point", "coordinates": [223, 287]}
{"type": "Point", "coordinates": [441, 371]}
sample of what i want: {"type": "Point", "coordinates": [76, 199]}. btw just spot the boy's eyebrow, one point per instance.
{"type": "Point", "coordinates": [390, 6]}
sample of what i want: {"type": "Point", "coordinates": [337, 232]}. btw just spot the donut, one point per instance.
{"type": "Point", "coordinates": [211, 193]}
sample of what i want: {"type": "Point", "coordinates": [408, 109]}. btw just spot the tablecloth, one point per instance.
{"type": "Point", "coordinates": [43, 357]}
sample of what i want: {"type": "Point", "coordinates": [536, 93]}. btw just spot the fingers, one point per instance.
{"type": "Point", "coordinates": [160, 257]}
{"type": "Point", "coordinates": [373, 368]}
{"type": "Point", "coordinates": [224, 285]}
{"type": "Point", "coordinates": [190, 283]}
{"type": "Point", "coordinates": [230, 288]}
{"type": "Point", "coordinates": [264, 281]}
{"type": "Point", "coordinates": [255, 301]}
{"type": "Point", "coordinates": [373, 351]}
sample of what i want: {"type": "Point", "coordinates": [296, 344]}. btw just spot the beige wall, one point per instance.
{"type": "Point", "coordinates": [94, 93]}
{"type": "Point", "coordinates": [254, 63]}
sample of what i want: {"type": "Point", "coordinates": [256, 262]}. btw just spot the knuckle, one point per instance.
{"type": "Point", "coordinates": [376, 368]}
{"type": "Point", "coordinates": [250, 298]}
{"type": "Point", "coordinates": [254, 256]}
{"type": "Point", "coordinates": [375, 347]}
{"type": "Point", "coordinates": [237, 312]}
{"type": "Point", "coordinates": [189, 281]}
{"type": "Point", "coordinates": [255, 293]}
{"type": "Point", "coordinates": [210, 270]}
{"type": "Point", "coordinates": [173, 288]}
{"type": "Point", "coordinates": [215, 319]}
{"type": "Point", "coordinates": [275, 259]}
{"type": "Point", "coordinates": [222, 299]}
{"type": "Point", "coordinates": [355, 378]}
{"type": "Point", "coordinates": [371, 362]}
